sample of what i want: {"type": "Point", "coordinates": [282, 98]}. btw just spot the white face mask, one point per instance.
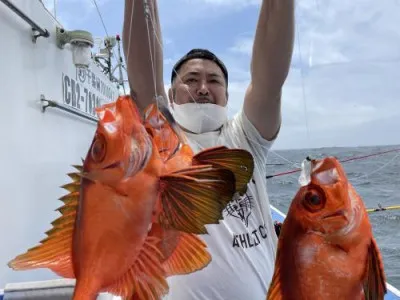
{"type": "Point", "coordinates": [200, 117]}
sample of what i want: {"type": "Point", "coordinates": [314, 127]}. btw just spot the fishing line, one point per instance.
{"type": "Point", "coordinates": [302, 82]}
{"type": "Point", "coordinates": [156, 37]}
{"type": "Point", "coordinates": [147, 17]}
{"type": "Point", "coordinates": [130, 32]}
{"type": "Point", "coordinates": [192, 97]}
{"type": "Point", "coordinates": [153, 57]}
{"type": "Point", "coordinates": [101, 18]}
{"type": "Point", "coordinates": [376, 170]}
{"type": "Point", "coordinates": [343, 161]}
{"type": "Point", "coordinates": [173, 69]}
{"type": "Point", "coordinates": [107, 35]}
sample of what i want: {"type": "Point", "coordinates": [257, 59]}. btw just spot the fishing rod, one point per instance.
{"type": "Point", "coordinates": [342, 161]}
{"type": "Point", "coordinates": [381, 208]}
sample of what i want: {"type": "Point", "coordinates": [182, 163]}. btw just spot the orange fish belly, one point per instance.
{"type": "Point", "coordinates": [111, 231]}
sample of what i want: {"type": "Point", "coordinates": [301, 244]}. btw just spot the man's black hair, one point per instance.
{"type": "Point", "coordinates": [199, 53]}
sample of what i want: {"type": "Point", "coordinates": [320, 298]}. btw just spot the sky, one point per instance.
{"type": "Point", "coordinates": [342, 88]}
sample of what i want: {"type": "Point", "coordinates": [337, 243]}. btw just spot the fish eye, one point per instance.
{"type": "Point", "coordinates": [314, 198]}
{"type": "Point", "coordinates": [98, 151]}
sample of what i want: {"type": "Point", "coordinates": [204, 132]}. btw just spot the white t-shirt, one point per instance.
{"type": "Point", "coordinates": [243, 245]}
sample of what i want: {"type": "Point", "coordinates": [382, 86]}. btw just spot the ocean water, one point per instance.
{"type": "Point", "coordinates": [376, 179]}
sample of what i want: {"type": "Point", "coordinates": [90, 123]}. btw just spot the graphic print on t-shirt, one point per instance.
{"type": "Point", "coordinates": [241, 207]}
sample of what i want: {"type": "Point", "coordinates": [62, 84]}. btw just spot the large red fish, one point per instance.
{"type": "Point", "coordinates": [102, 238]}
{"type": "Point", "coordinates": [179, 247]}
{"type": "Point", "coordinates": [326, 248]}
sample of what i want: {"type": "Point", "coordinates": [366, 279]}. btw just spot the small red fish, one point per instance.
{"type": "Point", "coordinates": [177, 153]}
{"type": "Point", "coordinates": [104, 237]}
{"type": "Point", "coordinates": [326, 249]}
{"type": "Point", "coordinates": [163, 135]}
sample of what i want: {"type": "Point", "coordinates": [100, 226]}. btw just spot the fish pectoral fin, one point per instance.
{"type": "Point", "coordinates": [375, 281]}
{"type": "Point", "coordinates": [145, 279]}
{"type": "Point", "coordinates": [239, 161]}
{"type": "Point", "coordinates": [55, 251]}
{"type": "Point", "coordinates": [189, 255]}
{"type": "Point", "coordinates": [194, 197]}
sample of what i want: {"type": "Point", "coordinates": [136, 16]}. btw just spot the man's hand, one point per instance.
{"type": "Point", "coordinates": [271, 58]}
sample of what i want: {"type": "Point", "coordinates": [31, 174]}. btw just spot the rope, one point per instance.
{"type": "Point", "coordinates": [342, 161]}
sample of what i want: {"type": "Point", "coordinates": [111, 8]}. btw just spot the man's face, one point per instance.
{"type": "Point", "coordinates": [200, 81]}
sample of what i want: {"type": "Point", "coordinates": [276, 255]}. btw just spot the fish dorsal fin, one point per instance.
{"type": "Point", "coordinates": [189, 255]}
{"type": "Point", "coordinates": [55, 251]}
{"type": "Point", "coordinates": [375, 281]}
{"type": "Point", "coordinates": [194, 197]}
{"type": "Point", "coordinates": [145, 279]}
{"type": "Point", "coordinates": [239, 161]}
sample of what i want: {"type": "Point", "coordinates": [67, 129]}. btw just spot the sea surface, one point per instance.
{"type": "Point", "coordinates": [376, 179]}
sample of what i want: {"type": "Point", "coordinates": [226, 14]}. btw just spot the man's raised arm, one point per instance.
{"type": "Point", "coordinates": [138, 51]}
{"type": "Point", "coordinates": [271, 58]}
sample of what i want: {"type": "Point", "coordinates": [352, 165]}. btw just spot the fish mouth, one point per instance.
{"type": "Point", "coordinates": [338, 213]}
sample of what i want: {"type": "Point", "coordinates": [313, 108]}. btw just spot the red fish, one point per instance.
{"type": "Point", "coordinates": [326, 248]}
{"type": "Point", "coordinates": [180, 247]}
{"type": "Point", "coordinates": [163, 135]}
{"type": "Point", "coordinates": [102, 238]}
{"type": "Point", "coordinates": [177, 153]}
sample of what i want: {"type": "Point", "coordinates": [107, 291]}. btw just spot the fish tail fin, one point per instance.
{"type": "Point", "coordinates": [145, 279]}
{"type": "Point", "coordinates": [194, 197]}
{"type": "Point", "coordinates": [239, 161]}
{"type": "Point", "coordinates": [190, 255]}
{"type": "Point", "coordinates": [55, 251]}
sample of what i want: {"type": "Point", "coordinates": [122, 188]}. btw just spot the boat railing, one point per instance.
{"type": "Point", "coordinates": [37, 30]}
{"type": "Point", "coordinates": [55, 104]}
{"type": "Point", "coordinates": [57, 289]}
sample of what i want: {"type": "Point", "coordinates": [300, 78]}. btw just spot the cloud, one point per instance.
{"type": "Point", "coordinates": [243, 45]}
{"type": "Point", "coordinates": [361, 30]}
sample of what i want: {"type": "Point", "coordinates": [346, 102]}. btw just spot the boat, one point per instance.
{"type": "Point", "coordinates": [51, 82]}
{"type": "Point", "coordinates": [50, 85]}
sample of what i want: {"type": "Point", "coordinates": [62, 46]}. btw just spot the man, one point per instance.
{"type": "Point", "coordinates": [243, 245]}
